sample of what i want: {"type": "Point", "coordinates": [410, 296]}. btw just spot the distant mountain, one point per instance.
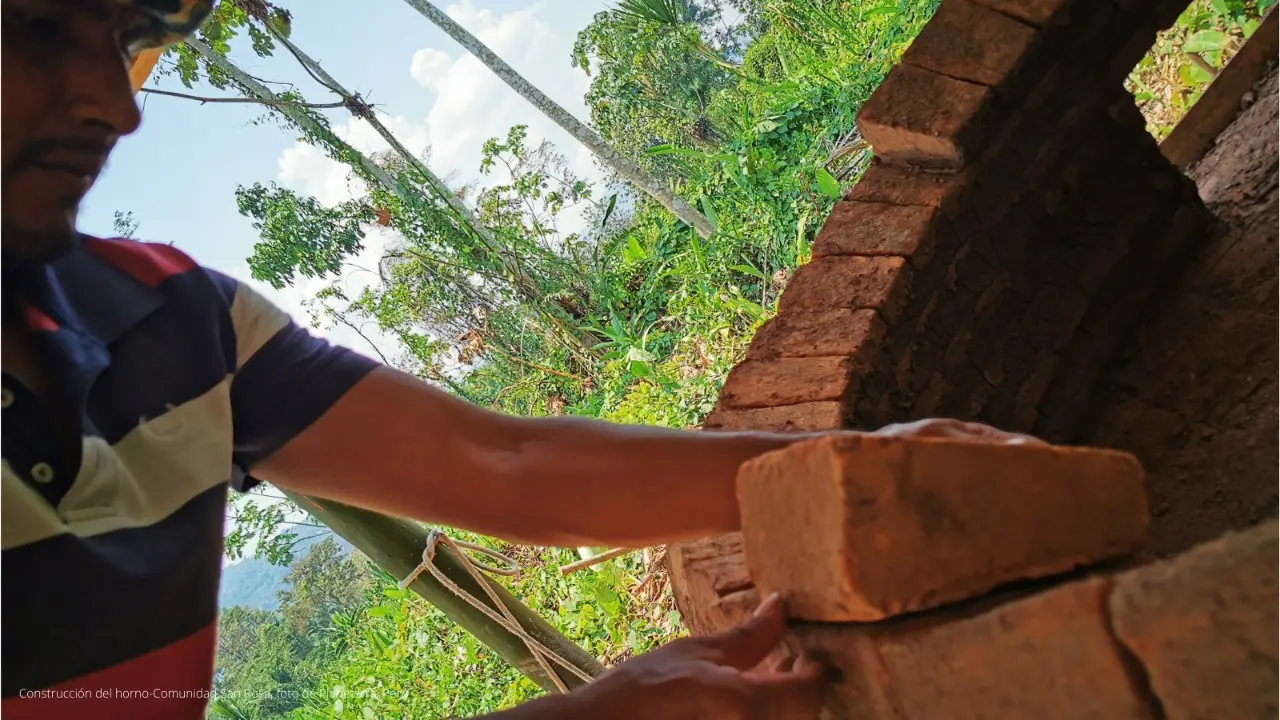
{"type": "Point", "coordinates": [257, 583]}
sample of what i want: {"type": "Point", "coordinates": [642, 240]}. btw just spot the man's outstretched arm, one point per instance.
{"type": "Point", "coordinates": [395, 444]}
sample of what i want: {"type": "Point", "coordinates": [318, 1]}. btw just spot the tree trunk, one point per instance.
{"type": "Point", "coordinates": [396, 546]}
{"type": "Point", "coordinates": [615, 160]}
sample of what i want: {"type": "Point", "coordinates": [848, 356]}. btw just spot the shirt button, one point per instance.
{"type": "Point", "coordinates": [42, 473]}
{"type": "Point", "coordinates": [6, 398]}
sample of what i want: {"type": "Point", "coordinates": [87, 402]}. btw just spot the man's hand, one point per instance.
{"type": "Point", "coordinates": [703, 678]}
{"type": "Point", "coordinates": [956, 430]}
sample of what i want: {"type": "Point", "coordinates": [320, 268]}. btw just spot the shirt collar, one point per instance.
{"type": "Point", "coordinates": [82, 292]}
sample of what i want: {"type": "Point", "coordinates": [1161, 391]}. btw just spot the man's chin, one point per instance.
{"type": "Point", "coordinates": [23, 246]}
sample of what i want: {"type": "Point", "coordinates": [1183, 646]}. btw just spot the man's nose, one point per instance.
{"type": "Point", "coordinates": [100, 94]}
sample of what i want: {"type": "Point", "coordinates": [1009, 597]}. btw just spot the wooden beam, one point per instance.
{"type": "Point", "coordinates": [1221, 101]}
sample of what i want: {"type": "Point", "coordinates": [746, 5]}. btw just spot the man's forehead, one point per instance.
{"type": "Point", "coordinates": [98, 9]}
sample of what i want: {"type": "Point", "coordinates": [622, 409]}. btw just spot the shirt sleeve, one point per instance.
{"type": "Point", "coordinates": [285, 378]}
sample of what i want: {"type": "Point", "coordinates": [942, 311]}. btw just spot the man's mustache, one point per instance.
{"type": "Point", "coordinates": [54, 151]}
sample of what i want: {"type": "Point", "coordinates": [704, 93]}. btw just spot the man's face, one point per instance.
{"type": "Point", "coordinates": [64, 101]}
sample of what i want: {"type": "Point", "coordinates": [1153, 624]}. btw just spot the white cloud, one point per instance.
{"type": "Point", "coordinates": [474, 104]}
{"type": "Point", "coordinates": [429, 66]}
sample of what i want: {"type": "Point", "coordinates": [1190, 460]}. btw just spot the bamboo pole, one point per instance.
{"type": "Point", "coordinates": [396, 545]}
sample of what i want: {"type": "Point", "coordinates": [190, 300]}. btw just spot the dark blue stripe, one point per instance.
{"type": "Point", "coordinates": [225, 284]}
{"type": "Point", "coordinates": [174, 355]}
{"type": "Point", "coordinates": [75, 605]}
{"type": "Point", "coordinates": [285, 387]}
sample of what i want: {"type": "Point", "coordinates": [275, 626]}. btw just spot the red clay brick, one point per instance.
{"type": "Point", "coordinates": [807, 417]}
{"type": "Point", "coordinates": [1047, 657]}
{"type": "Point", "coordinates": [847, 282]}
{"type": "Point", "coordinates": [924, 118]}
{"type": "Point", "coordinates": [1204, 627]}
{"type": "Point", "coordinates": [860, 528]}
{"type": "Point", "coordinates": [1035, 12]}
{"type": "Point", "coordinates": [704, 570]}
{"type": "Point", "coordinates": [876, 229]}
{"type": "Point", "coordinates": [844, 333]}
{"type": "Point", "coordinates": [786, 381]}
{"type": "Point", "coordinates": [904, 185]}
{"type": "Point", "coordinates": [970, 42]}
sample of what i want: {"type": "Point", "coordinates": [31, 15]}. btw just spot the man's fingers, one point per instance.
{"type": "Point", "coordinates": [959, 430]}
{"type": "Point", "coordinates": [746, 644]}
{"type": "Point", "coordinates": [794, 695]}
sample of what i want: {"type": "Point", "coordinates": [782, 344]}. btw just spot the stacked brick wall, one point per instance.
{"type": "Point", "coordinates": [1014, 224]}
{"type": "Point", "coordinates": [1012, 227]}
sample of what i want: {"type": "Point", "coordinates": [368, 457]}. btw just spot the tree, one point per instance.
{"type": "Point", "coordinates": [652, 84]}
{"type": "Point", "coordinates": [124, 225]}
{"type": "Point", "coordinates": [615, 160]}
{"type": "Point", "coordinates": [238, 629]}
{"type": "Point", "coordinates": [326, 581]}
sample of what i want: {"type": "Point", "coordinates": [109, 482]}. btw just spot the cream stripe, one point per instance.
{"type": "Point", "coordinates": [256, 320]}
{"type": "Point", "coordinates": [154, 470]}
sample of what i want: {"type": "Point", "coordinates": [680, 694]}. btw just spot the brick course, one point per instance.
{"type": "Point", "coordinates": [893, 526]}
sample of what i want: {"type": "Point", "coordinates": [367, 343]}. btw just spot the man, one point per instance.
{"type": "Point", "coordinates": [138, 386]}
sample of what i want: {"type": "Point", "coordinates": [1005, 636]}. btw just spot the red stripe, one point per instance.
{"type": "Point", "coordinates": [37, 320]}
{"type": "Point", "coordinates": [172, 682]}
{"type": "Point", "coordinates": [149, 263]}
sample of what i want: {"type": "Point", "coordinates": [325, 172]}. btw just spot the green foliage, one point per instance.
{"type": "Point", "coordinates": [1185, 58]}
{"type": "Point", "coordinates": [299, 235]}
{"type": "Point", "coordinates": [270, 663]}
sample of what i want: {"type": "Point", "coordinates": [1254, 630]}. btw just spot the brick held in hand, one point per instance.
{"type": "Point", "coordinates": [861, 528]}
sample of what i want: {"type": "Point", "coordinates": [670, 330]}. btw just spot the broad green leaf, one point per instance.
{"type": "Point", "coordinates": [748, 270]}
{"type": "Point", "coordinates": [1206, 41]}
{"type": "Point", "coordinates": [827, 183]}
{"type": "Point", "coordinates": [710, 212]}
{"type": "Point", "coordinates": [1195, 74]}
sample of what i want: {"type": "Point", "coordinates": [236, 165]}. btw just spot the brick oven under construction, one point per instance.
{"type": "Point", "coordinates": [1022, 252]}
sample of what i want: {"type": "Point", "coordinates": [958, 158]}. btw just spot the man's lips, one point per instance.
{"type": "Point", "coordinates": [77, 174]}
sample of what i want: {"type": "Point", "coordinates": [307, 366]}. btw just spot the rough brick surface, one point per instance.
{"type": "Point", "coordinates": [1035, 12]}
{"type": "Point", "coordinates": [861, 528]}
{"type": "Point", "coordinates": [970, 42]}
{"type": "Point", "coordinates": [806, 417]}
{"type": "Point", "coordinates": [708, 569]}
{"type": "Point", "coordinates": [1047, 657]}
{"type": "Point", "coordinates": [876, 229]}
{"type": "Point", "coordinates": [924, 118]}
{"type": "Point", "coordinates": [904, 185]}
{"type": "Point", "coordinates": [786, 381]}
{"type": "Point", "coordinates": [844, 332]}
{"type": "Point", "coordinates": [1204, 627]}
{"type": "Point", "coordinates": [847, 282]}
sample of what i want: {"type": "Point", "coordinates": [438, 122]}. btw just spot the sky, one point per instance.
{"type": "Point", "coordinates": [178, 174]}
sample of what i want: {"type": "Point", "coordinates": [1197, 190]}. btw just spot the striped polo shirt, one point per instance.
{"type": "Point", "coordinates": [184, 379]}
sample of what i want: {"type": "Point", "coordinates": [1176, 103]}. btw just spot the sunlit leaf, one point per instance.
{"type": "Point", "coordinates": [828, 184]}
{"type": "Point", "coordinates": [1206, 41]}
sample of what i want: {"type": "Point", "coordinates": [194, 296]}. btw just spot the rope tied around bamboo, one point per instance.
{"type": "Point", "coordinates": [541, 653]}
